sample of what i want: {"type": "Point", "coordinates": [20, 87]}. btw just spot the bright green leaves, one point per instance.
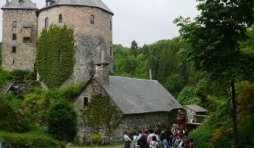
{"type": "Point", "coordinates": [55, 55]}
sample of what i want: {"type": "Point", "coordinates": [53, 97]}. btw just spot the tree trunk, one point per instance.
{"type": "Point", "coordinates": [234, 114]}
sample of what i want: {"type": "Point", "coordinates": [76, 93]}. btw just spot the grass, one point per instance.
{"type": "Point", "coordinates": [113, 145]}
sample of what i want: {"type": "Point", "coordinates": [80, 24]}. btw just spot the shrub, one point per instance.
{"type": "Point", "coordinates": [62, 120]}
{"type": "Point", "coordinates": [31, 140]}
{"type": "Point", "coordinates": [95, 139]}
{"type": "Point", "coordinates": [11, 117]}
{"type": "Point", "coordinates": [19, 75]}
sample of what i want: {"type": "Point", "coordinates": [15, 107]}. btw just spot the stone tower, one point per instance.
{"type": "Point", "coordinates": [19, 35]}
{"type": "Point", "coordinates": [91, 21]}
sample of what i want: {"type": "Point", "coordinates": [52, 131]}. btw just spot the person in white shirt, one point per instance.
{"type": "Point", "coordinates": [127, 140]}
{"type": "Point", "coordinates": [135, 139]}
{"type": "Point", "coordinates": [154, 143]}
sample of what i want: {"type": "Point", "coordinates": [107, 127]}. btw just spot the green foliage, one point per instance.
{"type": "Point", "coordinates": [188, 96]}
{"type": "Point", "coordinates": [19, 75]}
{"type": "Point", "coordinates": [55, 55]}
{"type": "Point", "coordinates": [95, 139]}
{"type": "Point", "coordinates": [101, 113]}
{"type": "Point", "coordinates": [37, 103]}
{"type": "Point", "coordinates": [0, 54]}
{"type": "Point", "coordinates": [174, 84]}
{"type": "Point", "coordinates": [34, 139]}
{"type": "Point", "coordinates": [4, 76]}
{"type": "Point", "coordinates": [12, 119]}
{"type": "Point", "coordinates": [134, 48]}
{"type": "Point", "coordinates": [62, 120]}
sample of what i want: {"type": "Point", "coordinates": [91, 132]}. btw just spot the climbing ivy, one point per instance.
{"type": "Point", "coordinates": [101, 113]}
{"type": "Point", "coordinates": [55, 55]}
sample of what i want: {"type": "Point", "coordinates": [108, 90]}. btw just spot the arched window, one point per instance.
{"type": "Point", "coordinates": [60, 18]}
{"type": "Point", "coordinates": [92, 19]}
{"type": "Point", "coordinates": [46, 22]}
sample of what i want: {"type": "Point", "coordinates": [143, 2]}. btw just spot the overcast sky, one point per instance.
{"type": "Point", "coordinates": [145, 21]}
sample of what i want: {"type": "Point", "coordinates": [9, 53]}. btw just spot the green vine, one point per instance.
{"type": "Point", "coordinates": [55, 55]}
{"type": "Point", "coordinates": [101, 113]}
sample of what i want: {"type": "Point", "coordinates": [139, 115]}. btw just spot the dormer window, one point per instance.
{"type": "Point", "coordinates": [21, 1]}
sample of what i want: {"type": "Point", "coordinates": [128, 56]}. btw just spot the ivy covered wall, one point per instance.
{"type": "Point", "coordinates": [55, 55]}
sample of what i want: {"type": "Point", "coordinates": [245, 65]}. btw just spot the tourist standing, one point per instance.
{"type": "Point", "coordinates": [127, 140]}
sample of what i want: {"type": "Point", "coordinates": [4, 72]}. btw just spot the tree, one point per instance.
{"type": "Point", "coordinates": [101, 113]}
{"type": "Point", "coordinates": [63, 120]}
{"type": "Point", "coordinates": [134, 48]}
{"type": "Point", "coordinates": [214, 38]}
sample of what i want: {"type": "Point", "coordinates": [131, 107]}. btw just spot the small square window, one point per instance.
{"type": "Point", "coordinates": [14, 24]}
{"type": "Point", "coordinates": [92, 19]}
{"type": "Point", "coordinates": [85, 101]}
{"type": "Point", "coordinates": [14, 36]}
{"type": "Point", "coordinates": [13, 49]}
{"type": "Point", "coordinates": [20, 11]}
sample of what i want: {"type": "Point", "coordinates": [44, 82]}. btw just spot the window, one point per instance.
{"type": "Point", "coordinates": [46, 22]}
{"type": "Point", "coordinates": [13, 49]}
{"type": "Point", "coordinates": [27, 40]}
{"type": "Point", "coordinates": [14, 24]}
{"type": "Point", "coordinates": [111, 52]}
{"type": "Point", "coordinates": [21, 1]}
{"type": "Point", "coordinates": [92, 19]}
{"type": "Point", "coordinates": [60, 18]}
{"type": "Point", "coordinates": [20, 11]}
{"type": "Point", "coordinates": [110, 25]}
{"type": "Point", "coordinates": [14, 36]}
{"type": "Point", "coordinates": [85, 101]}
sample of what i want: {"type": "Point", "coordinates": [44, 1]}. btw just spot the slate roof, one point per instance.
{"type": "Point", "coordinates": [135, 96]}
{"type": "Point", "coordinates": [15, 4]}
{"type": "Point", "coordinates": [90, 3]}
{"type": "Point", "coordinates": [196, 108]}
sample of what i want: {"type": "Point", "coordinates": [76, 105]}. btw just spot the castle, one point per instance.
{"type": "Point", "coordinates": [139, 101]}
{"type": "Point", "coordinates": [23, 22]}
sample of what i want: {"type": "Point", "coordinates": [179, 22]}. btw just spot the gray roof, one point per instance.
{"type": "Point", "coordinates": [135, 96]}
{"type": "Point", "coordinates": [15, 4]}
{"type": "Point", "coordinates": [90, 3]}
{"type": "Point", "coordinates": [196, 108]}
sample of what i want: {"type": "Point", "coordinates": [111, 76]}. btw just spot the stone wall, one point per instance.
{"type": "Point", "coordinates": [24, 57]}
{"type": "Point", "coordinates": [131, 123]}
{"type": "Point", "coordinates": [90, 39]}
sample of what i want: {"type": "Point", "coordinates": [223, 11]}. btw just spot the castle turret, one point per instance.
{"type": "Point", "coordinates": [91, 21]}
{"type": "Point", "coordinates": [19, 35]}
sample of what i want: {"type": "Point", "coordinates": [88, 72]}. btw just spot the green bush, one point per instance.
{"type": "Point", "coordinates": [95, 139]}
{"type": "Point", "coordinates": [31, 140]}
{"type": "Point", "coordinates": [4, 76]}
{"type": "Point", "coordinates": [19, 75]}
{"type": "Point", "coordinates": [188, 96]}
{"type": "Point", "coordinates": [12, 119]}
{"type": "Point", "coordinates": [62, 120]}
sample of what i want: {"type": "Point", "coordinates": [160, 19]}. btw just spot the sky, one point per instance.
{"type": "Point", "coordinates": [145, 21]}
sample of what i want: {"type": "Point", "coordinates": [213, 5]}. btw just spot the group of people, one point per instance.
{"type": "Point", "coordinates": [172, 137]}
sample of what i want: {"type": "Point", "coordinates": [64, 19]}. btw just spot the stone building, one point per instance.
{"type": "Point", "coordinates": [141, 102]}
{"type": "Point", "coordinates": [19, 35]}
{"type": "Point", "coordinates": [23, 22]}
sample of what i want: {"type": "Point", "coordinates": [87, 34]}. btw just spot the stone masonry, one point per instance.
{"type": "Point", "coordinates": [23, 57]}
{"type": "Point", "coordinates": [90, 39]}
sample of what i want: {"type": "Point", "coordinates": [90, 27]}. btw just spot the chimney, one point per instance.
{"type": "Point", "coordinates": [102, 69]}
{"type": "Point", "coordinates": [7, 2]}
{"type": "Point", "coordinates": [150, 74]}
